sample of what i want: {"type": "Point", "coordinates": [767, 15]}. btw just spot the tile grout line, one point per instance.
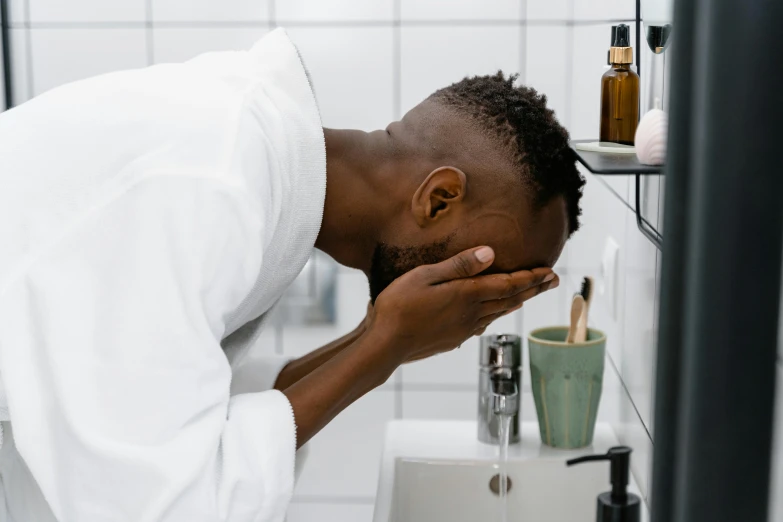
{"type": "Point", "coordinates": [195, 24]}
{"type": "Point", "coordinates": [28, 42]}
{"type": "Point", "coordinates": [661, 204]}
{"type": "Point", "coordinates": [279, 330]}
{"type": "Point", "coordinates": [569, 66]}
{"type": "Point", "coordinates": [399, 385]}
{"type": "Point", "coordinates": [523, 41]}
{"type": "Point", "coordinates": [397, 60]}
{"type": "Point", "coordinates": [656, 304]}
{"type": "Point", "coordinates": [638, 416]}
{"type": "Point", "coordinates": [630, 397]}
{"type": "Point", "coordinates": [623, 200]}
{"type": "Point", "coordinates": [149, 40]}
{"type": "Point", "coordinates": [586, 23]}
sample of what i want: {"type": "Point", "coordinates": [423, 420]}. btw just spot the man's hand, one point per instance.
{"type": "Point", "coordinates": [434, 308]}
{"type": "Point", "coordinates": [429, 310]}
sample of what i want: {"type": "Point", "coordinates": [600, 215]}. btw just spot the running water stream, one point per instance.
{"type": "Point", "coordinates": [504, 430]}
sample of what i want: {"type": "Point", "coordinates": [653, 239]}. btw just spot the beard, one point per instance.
{"type": "Point", "coordinates": [390, 262]}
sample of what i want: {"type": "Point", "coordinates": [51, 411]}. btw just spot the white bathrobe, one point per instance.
{"type": "Point", "coordinates": [149, 220]}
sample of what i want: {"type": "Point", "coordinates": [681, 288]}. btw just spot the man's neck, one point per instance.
{"type": "Point", "coordinates": [354, 210]}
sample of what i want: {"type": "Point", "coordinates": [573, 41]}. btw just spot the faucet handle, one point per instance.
{"type": "Point", "coordinates": [500, 351]}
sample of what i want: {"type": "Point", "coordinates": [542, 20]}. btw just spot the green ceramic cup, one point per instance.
{"type": "Point", "coordinates": [566, 381]}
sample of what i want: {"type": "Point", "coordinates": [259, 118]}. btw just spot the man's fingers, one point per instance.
{"type": "Point", "coordinates": [509, 304]}
{"type": "Point", "coordinates": [465, 264]}
{"type": "Point", "coordinates": [501, 286]}
{"type": "Point", "coordinates": [484, 322]}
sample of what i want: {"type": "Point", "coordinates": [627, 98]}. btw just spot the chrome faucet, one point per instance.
{"type": "Point", "coordinates": [500, 380]}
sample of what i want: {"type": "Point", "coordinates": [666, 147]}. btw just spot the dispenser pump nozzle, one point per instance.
{"type": "Point", "coordinates": [619, 505]}
{"type": "Point", "coordinates": [620, 460]}
{"type": "Point", "coordinates": [622, 36]}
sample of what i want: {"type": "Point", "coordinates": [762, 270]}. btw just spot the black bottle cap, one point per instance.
{"type": "Point", "coordinates": [622, 37]}
{"type": "Point", "coordinates": [617, 505]}
{"type": "Point", "coordinates": [611, 43]}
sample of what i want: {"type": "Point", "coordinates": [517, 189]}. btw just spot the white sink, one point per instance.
{"type": "Point", "coordinates": [434, 471]}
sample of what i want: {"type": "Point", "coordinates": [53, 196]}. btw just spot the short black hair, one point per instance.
{"type": "Point", "coordinates": [518, 116]}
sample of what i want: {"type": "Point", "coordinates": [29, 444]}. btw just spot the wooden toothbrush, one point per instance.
{"type": "Point", "coordinates": [577, 307]}
{"type": "Point", "coordinates": [587, 294]}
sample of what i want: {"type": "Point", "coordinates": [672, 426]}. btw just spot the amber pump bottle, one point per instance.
{"type": "Point", "coordinates": [620, 92]}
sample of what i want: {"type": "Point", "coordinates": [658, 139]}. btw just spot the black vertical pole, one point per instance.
{"type": "Point", "coordinates": [673, 275]}
{"type": "Point", "coordinates": [735, 232]}
{"type": "Point", "coordinates": [639, 38]}
{"type": "Point", "coordinates": [6, 43]}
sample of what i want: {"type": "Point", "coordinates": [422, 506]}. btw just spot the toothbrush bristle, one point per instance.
{"type": "Point", "coordinates": [587, 287]}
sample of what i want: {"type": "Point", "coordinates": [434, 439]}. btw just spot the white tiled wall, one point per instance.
{"type": "Point", "coordinates": [371, 60]}
{"type": "Point", "coordinates": [205, 10]}
{"type": "Point", "coordinates": [87, 11]}
{"type": "Point", "coordinates": [615, 10]}
{"type": "Point", "coordinates": [352, 91]}
{"type": "Point", "coordinates": [99, 50]}
{"type": "Point", "coordinates": [550, 10]}
{"type": "Point", "coordinates": [334, 10]}
{"type": "Point", "coordinates": [435, 56]}
{"type": "Point", "coordinates": [546, 65]}
{"type": "Point", "coordinates": [178, 44]}
{"type": "Point", "coordinates": [466, 10]}
{"type": "Point", "coordinates": [16, 11]}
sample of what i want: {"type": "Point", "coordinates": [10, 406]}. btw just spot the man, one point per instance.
{"type": "Point", "coordinates": [151, 220]}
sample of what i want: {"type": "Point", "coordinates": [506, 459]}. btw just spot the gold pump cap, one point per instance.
{"type": "Point", "coordinates": [623, 55]}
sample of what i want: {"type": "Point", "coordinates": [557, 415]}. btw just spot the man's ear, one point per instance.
{"type": "Point", "coordinates": [438, 195]}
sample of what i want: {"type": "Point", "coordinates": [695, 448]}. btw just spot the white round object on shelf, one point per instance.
{"type": "Point", "coordinates": [651, 134]}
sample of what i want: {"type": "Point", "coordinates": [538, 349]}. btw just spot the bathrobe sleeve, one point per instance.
{"type": "Point", "coordinates": [117, 386]}
{"type": "Point", "coordinates": [258, 372]}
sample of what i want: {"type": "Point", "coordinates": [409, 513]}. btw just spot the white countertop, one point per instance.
{"type": "Point", "coordinates": [458, 440]}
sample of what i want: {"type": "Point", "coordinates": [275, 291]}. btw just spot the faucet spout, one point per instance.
{"type": "Point", "coordinates": [504, 397]}
{"type": "Point", "coordinates": [500, 382]}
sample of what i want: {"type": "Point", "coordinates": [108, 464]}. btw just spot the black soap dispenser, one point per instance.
{"type": "Point", "coordinates": [617, 505]}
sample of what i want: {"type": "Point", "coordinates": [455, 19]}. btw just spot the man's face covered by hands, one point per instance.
{"type": "Point", "coordinates": [523, 243]}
